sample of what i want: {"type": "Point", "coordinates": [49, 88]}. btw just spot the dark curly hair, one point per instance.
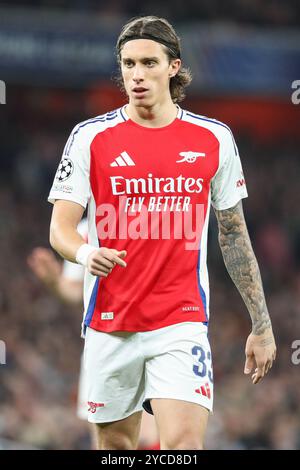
{"type": "Point", "coordinates": [161, 29]}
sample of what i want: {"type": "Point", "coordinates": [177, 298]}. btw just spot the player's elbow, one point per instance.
{"type": "Point", "coordinates": [53, 236]}
{"type": "Point", "coordinates": [52, 239]}
{"type": "Point", "coordinates": [55, 228]}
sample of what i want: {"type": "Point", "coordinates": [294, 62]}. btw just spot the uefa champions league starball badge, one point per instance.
{"type": "Point", "coordinates": [64, 170]}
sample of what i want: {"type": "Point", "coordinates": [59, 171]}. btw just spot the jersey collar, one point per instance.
{"type": "Point", "coordinates": [125, 117]}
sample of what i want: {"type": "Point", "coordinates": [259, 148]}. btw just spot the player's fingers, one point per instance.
{"type": "Point", "coordinates": [259, 372]}
{"type": "Point", "coordinates": [113, 257]}
{"type": "Point", "coordinates": [34, 265]}
{"type": "Point", "coordinates": [111, 261]}
{"type": "Point", "coordinates": [103, 262]}
{"type": "Point", "coordinates": [116, 257]}
{"type": "Point", "coordinates": [255, 377]}
{"type": "Point", "coordinates": [38, 251]}
{"type": "Point", "coordinates": [268, 366]}
{"type": "Point", "coordinates": [119, 261]}
{"type": "Point", "coordinates": [261, 366]}
{"type": "Point", "coordinates": [100, 264]}
{"type": "Point", "coordinates": [99, 267]}
{"type": "Point", "coordinates": [33, 258]}
{"type": "Point", "coordinates": [103, 257]}
{"type": "Point", "coordinates": [249, 364]}
{"type": "Point", "coordinates": [43, 254]}
{"type": "Point", "coordinates": [271, 364]}
{"type": "Point", "coordinates": [99, 272]}
{"type": "Point", "coordinates": [120, 253]}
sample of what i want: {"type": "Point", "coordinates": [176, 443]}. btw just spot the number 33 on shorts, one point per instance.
{"type": "Point", "coordinates": [202, 368]}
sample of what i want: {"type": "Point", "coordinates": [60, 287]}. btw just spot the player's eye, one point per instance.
{"type": "Point", "coordinates": [150, 63]}
{"type": "Point", "coordinates": [128, 63]}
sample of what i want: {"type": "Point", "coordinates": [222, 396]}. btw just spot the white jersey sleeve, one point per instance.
{"type": "Point", "coordinates": [228, 185]}
{"type": "Point", "coordinates": [74, 271]}
{"type": "Point", "coordinates": [71, 181]}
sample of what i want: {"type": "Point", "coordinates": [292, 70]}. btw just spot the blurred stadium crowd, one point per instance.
{"type": "Point", "coordinates": [38, 386]}
{"type": "Point", "coordinates": [260, 12]}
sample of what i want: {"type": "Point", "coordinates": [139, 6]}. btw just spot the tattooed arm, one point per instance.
{"type": "Point", "coordinates": [243, 269]}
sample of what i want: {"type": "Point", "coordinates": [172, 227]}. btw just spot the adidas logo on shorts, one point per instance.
{"type": "Point", "coordinates": [204, 390]}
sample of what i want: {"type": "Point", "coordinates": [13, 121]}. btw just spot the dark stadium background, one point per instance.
{"type": "Point", "coordinates": [56, 58]}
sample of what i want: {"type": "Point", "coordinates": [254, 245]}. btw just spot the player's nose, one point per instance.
{"type": "Point", "coordinates": [138, 74]}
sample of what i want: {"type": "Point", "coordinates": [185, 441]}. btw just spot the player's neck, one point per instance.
{"type": "Point", "coordinates": [159, 115]}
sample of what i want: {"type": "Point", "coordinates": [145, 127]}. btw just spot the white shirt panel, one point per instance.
{"type": "Point", "coordinates": [228, 185]}
{"type": "Point", "coordinates": [72, 179]}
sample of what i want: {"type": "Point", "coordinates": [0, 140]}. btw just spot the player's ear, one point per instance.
{"type": "Point", "coordinates": [174, 67]}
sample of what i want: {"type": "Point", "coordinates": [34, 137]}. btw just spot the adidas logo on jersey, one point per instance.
{"type": "Point", "coordinates": [123, 160]}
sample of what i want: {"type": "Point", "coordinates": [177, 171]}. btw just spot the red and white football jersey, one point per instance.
{"type": "Point", "coordinates": [148, 191]}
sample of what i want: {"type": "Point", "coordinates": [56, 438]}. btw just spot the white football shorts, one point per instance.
{"type": "Point", "coordinates": [125, 370]}
{"type": "Point", "coordinates": [82, 410]}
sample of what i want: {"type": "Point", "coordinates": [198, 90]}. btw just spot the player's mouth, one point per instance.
{"type": "Point", "coordinates": [139, 92]}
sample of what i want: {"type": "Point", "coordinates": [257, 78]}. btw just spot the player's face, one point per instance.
{"type": "Point", "coordinates": [146, 72]}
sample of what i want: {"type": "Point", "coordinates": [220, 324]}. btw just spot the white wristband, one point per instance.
{"type": "Point", "coordinates": [83, 253]}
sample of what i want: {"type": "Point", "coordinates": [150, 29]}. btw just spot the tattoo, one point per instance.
{"type": "Point", "coordinates": [266, 342]}
{"type": "Point", "coordinates": [242, 266]}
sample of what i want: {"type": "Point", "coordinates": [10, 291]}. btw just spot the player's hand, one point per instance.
{"type": "Point", "coordinates": [260, 354]}
{"type": "Point", "coordinates": [102, 261]}
{"type": "Point", "coordinates": [44, 264]}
